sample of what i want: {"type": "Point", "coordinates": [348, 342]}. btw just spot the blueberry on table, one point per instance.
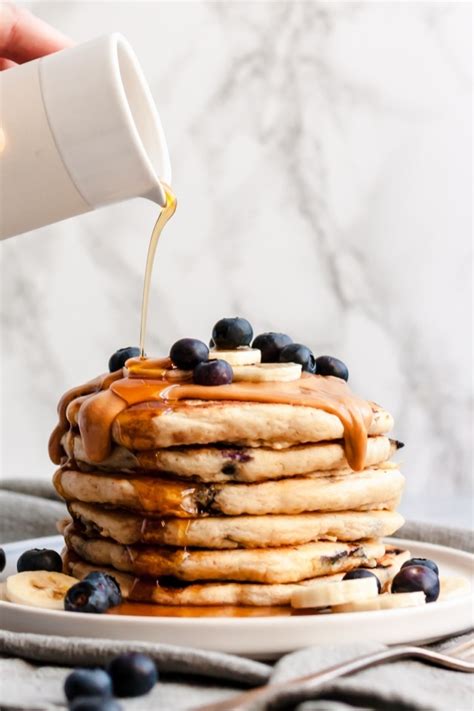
{"type": "Point", "coordinates": [119, 358]}
{"type": "Point", "coordinates": [232, 333]}
{"type": "Point", "coordinates": [214, 372]}
{"type": "Point", "coordinates": [3, 559]}
{"type": "Point", "coordinates": [422, 561]}
{"type": "Point", "coordinates": [270, 345]}
{"type": "Point", "coordinates": [187, 353]}
{"type": "Point", "coordinates": [94, 703]}
{"type": "Point", "coordinates": [87, 682]}
{"type": "Point", "coordinates": [107, 584]}
{"type": "Point", "coordinates": [86, 597]}
{"type": "Point", "coordinates": [414, 578]}
{"type": "Point", "coordinates": [297, 353]}
{"type": "Point", "coordinates": [362, 573]}
{"type": "Point", "coordinates": [328, 365]}
{"type": "Point", "coordinates": [133, 674]}
{"type": "Point", "coordinates": [40, 559]}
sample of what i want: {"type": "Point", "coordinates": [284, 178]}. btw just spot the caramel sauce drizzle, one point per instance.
{"type": "Point", "coordinates": [113, 393]}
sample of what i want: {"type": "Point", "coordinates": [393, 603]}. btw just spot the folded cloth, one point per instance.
{"type": "Point", "coordinates": [33, 667]}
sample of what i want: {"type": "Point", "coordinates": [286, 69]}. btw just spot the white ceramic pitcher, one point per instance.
{"type": "Point", "coordinates": [78, 130]}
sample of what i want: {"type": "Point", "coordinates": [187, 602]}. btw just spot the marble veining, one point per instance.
{"type": "Point", "coordinates": [320, 154]}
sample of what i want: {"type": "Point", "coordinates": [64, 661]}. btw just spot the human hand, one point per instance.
{"type": "Point", "coordinates": [24, 36]}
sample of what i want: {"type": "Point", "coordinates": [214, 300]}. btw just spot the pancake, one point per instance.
{"type": "Point", "coordinates": [233, 532]}
{"type": "Point", "coordinates": [263, 565]}
{"type": "Point", "coordinates": [369, 489]}
{"type": "Point", "coordinates": [153, 425]}
{"type": "Point", "coordinates": [226, 463]}
{"type": "Point", "coordinates": [221, 593]}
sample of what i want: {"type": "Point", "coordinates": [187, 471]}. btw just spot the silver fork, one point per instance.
{"type": "Point", "coordinates": [455, 658]}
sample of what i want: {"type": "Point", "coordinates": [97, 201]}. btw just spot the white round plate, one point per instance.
{"type": "Point", "coordinates": [257, 637]}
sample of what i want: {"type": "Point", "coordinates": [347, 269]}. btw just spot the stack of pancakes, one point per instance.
{"type": "Point", "coordinates": [224, 502]}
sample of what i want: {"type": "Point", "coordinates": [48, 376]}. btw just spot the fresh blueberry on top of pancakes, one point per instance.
{"type": "Point", "coordinates": [270, 345]}
{"type": "Point", "coordinates": [86, 597]}
{"type": "Point", "coordinates": [362, 573]}
{"type": "Point", "coordinates": [87, 682]}
{"type": "Point", "coordinates": [107, 584]}
{"type": "Point", "coordinates": [187, 353]}
{"type": "Point", "coordinates": [40, 559]}
{"type": "Point", "coordinates": [297, 353]}
{"type": "Point", "coordinates": [118, 359]}
{"type": "Point", "coordinates": [214, 372]}
{"type": "Point", "coordinates": [422, 561]}
{"type": "Point", "coordinates": [3, 559]}
{"type": "Point", "coordinates": [95, 703]}
{"type": "Point", "coordinates": [328, 365]}
{"type": "Point", "coordinates": [133, 674]}
{"type": "Point", "coordinates": [416, 578]}
{"type": "Point", "coordinates": [232, 333]}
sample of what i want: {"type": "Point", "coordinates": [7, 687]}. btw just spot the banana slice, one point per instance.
{"type": "Point", "coordinates": [335, 593]}
{"type": "Point", "coordinates": [267, 372]}
{"type": "Point", "coordinates": [452, 587]}
{"type": "Point", "coordinates": [3, 593]}
{"type": "Point", "coordinates": [39, 588]}
{"type": "Point", "coordinates": [238, 356]}
{"type": "Point", "coordinates": [387, 601]}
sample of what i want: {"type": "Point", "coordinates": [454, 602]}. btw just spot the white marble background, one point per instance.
{"type": "Point", "coordinates": [321, 156]}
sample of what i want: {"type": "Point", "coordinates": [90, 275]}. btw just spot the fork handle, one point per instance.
{"type": "Point", "coordinates": [310, 682]}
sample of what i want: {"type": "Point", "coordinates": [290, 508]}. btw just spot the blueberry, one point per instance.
{"type": "Point", "coordinates": [327, 365]}
{"type": "Point", "coordinates": [422, 561]}
{"type": "Point", "coordinates": [187, 353]}
{"type": "Point", "coordinates": [40, 559]}
{"type": "Point", "coordinates": [117, 360]}
{"type": "Point", "coordinates": [362, 573]}
{"type": "Point", "coordinates": [133, 674]}
{"type": "Point", "coordinates": [270, 344]}
{"type": "Point", "coordinates": [232, 333]}
{"type": "Point", "coordinates": [87, 682]}
{"type": "Point", "coordinates": [214, 372]}
{"type": "Point", "coordinates": [86, 597]}
{"type": "Point", "coordinates": [417, 577]}
{"type": "Point", "coordinates": [3, 559]}
{"type": "Point", "coordinates": [297, 353]}
{"type": "Point", "coordinates": [107, 584]}
{"type": "Point", "coordinates": [94, 703]}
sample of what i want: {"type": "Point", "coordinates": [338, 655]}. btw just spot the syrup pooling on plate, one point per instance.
{"type": "Point", "coordinates": [115, 393]}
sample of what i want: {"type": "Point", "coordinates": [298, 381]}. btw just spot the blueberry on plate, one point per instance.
{"type": "Point", "coordinates": [133, 674]}
{"type": "Point", "coordinates": [107, 584]}
{"type": "Point", "coordinates": [86, 597]}
{"type": "Point", "coordinates": [95, 703]}
{"type": "Point", "coordinates": [297, 353]}
{"type": "Point", "coordinates": [416, 578]}
{"type": "Point", "coordinates": [232, 333]}
{"type": "Point", "coordinates": [214, 372]}
{"type": "Point", "coordinates": [362, 573]}
{"type": "Point", "coordinates": [270, 345]}
{"type": "Point", "coordinates": [3, 559]}
{"type": "Point", "coordinates": [187, 353]}
{"type": "Point", "coordinates": [117, 360]}
{"type": "Point", "coordinates": [87, 682]}
{"type": "Point", "coordinates": [327, 365]}
{"type": "Point", "coordinates": [422, 561]}
{"type": "Point", "coordinates": [40, 559]}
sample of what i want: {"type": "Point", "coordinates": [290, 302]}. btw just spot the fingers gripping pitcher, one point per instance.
{"type": "Point", "coordinates": [78, 130]}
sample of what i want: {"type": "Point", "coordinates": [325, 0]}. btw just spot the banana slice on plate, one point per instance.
{"type": "Point", "coordinates": [387, 601]}
{"type": "Point", "coordinates": [39, 588]}
{"type": "Point", "coordinates": [335, 593]}
{"type": "Point", "coordinates": [452, 587]}
{"type": "Point", "coordinates": [267, 372]}
{"type": "Point", "coordinates": [3, 592]}
{"type": "Point", "coordinates": [238, 356]}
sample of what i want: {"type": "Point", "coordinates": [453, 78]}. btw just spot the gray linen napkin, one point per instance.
{"type": "Point", "coordinates": [33, 667]}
